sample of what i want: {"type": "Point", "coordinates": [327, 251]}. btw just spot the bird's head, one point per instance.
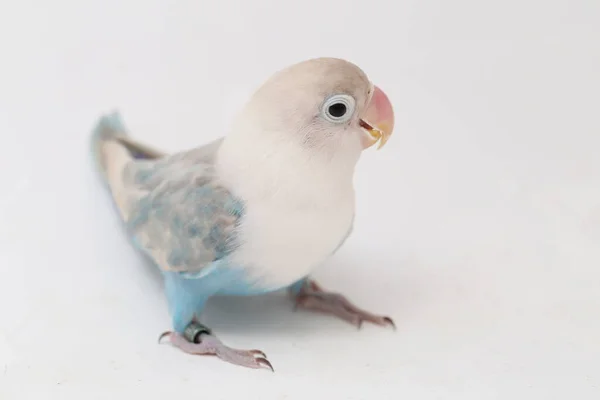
{"type": "Point", "coordinates": [323, 103]}
{"type": "Point", "coordinates": [311, 119]}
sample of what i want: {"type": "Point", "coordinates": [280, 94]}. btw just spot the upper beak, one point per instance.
{"type": "Point", "coordinates": [377, 120]}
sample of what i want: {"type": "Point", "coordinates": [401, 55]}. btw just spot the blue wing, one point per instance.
{"type": "Point", "coordinates": [181, 216]}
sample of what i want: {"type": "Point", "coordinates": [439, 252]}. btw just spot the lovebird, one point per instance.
{"type": "Point", "coordinates": [257, 210]}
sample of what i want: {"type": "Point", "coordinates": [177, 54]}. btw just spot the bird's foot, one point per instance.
{"type": "Point", "coordinates": [312, 297]}
{"type": "Point", "coordinates": [197, 339]}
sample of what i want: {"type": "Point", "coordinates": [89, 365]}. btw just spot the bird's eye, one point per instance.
{"type": "Point", "coordinates": [339, 108]}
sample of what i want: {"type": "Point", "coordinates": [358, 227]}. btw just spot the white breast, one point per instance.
{"type": "Point", "coordinates": [282, 245]}
{"type": "Point", "coordinates": [299, 201]}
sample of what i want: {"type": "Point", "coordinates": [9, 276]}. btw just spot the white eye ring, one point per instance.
{"type": "Point", "coordinates": [338, 108]}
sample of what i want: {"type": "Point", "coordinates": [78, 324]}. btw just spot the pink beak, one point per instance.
{"type": "Point", "coordinates": [377, 120]}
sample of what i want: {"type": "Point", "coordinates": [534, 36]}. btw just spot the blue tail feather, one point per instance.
{"type": "Point", "coordinates": [108, 126]}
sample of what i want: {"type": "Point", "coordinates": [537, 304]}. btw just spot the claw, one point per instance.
{"type": "Point", "coordinates": [390, 322]}
{"type": "Point", "coordinates": [258, 353]}
{"type": "Point", "coordinates": [265, 363]}
{"type": "Point", "coordinates": [163, 335]}
{"type": "Point", "coordinates": [212, 346]}
{"type": "Point", "coordinates": [313, 296]}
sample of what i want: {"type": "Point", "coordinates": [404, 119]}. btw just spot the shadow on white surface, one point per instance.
{"type": "Point", "coordinates": [478, 226]}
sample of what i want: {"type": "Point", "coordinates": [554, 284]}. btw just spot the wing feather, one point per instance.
{"type": "Point", "coordinates": [180, 214]}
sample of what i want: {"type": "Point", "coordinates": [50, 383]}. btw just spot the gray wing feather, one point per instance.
{"type": "Point", "coordinates": [181, 216]}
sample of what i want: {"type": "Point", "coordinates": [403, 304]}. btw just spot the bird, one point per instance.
{"type": "Point", "coordinates": [256, 210]}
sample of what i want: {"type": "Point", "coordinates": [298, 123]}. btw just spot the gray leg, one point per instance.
{"type": "Point", "coordinates": [198, 339]}
{"type": "Point", "coordinates": [312, 297]}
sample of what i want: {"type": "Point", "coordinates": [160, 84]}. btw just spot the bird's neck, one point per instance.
{"type": "Point", "coordinates": [260, 168]}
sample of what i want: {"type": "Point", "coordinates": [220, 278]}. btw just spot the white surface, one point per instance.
{"type": "Point", "coordinates": [478, 226]}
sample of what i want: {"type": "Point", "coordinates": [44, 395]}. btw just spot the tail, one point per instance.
{"type": "Point", "coordinates": [112, 150]}
{"type": "Point", "coordinates": [105, 148]}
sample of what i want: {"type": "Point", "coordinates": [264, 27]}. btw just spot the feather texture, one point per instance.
{"type": "Point", "coordinates": [182, 217]}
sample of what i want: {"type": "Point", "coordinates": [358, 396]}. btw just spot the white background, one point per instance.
{"type": "Point", "coordinates": [478, 226]}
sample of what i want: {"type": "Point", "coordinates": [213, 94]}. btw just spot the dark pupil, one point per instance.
{"type": "Point", "coordinates": [337, 110]}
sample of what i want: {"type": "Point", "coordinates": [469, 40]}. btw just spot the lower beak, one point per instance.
{"type": "Point", "coordinates": [378, 120]}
